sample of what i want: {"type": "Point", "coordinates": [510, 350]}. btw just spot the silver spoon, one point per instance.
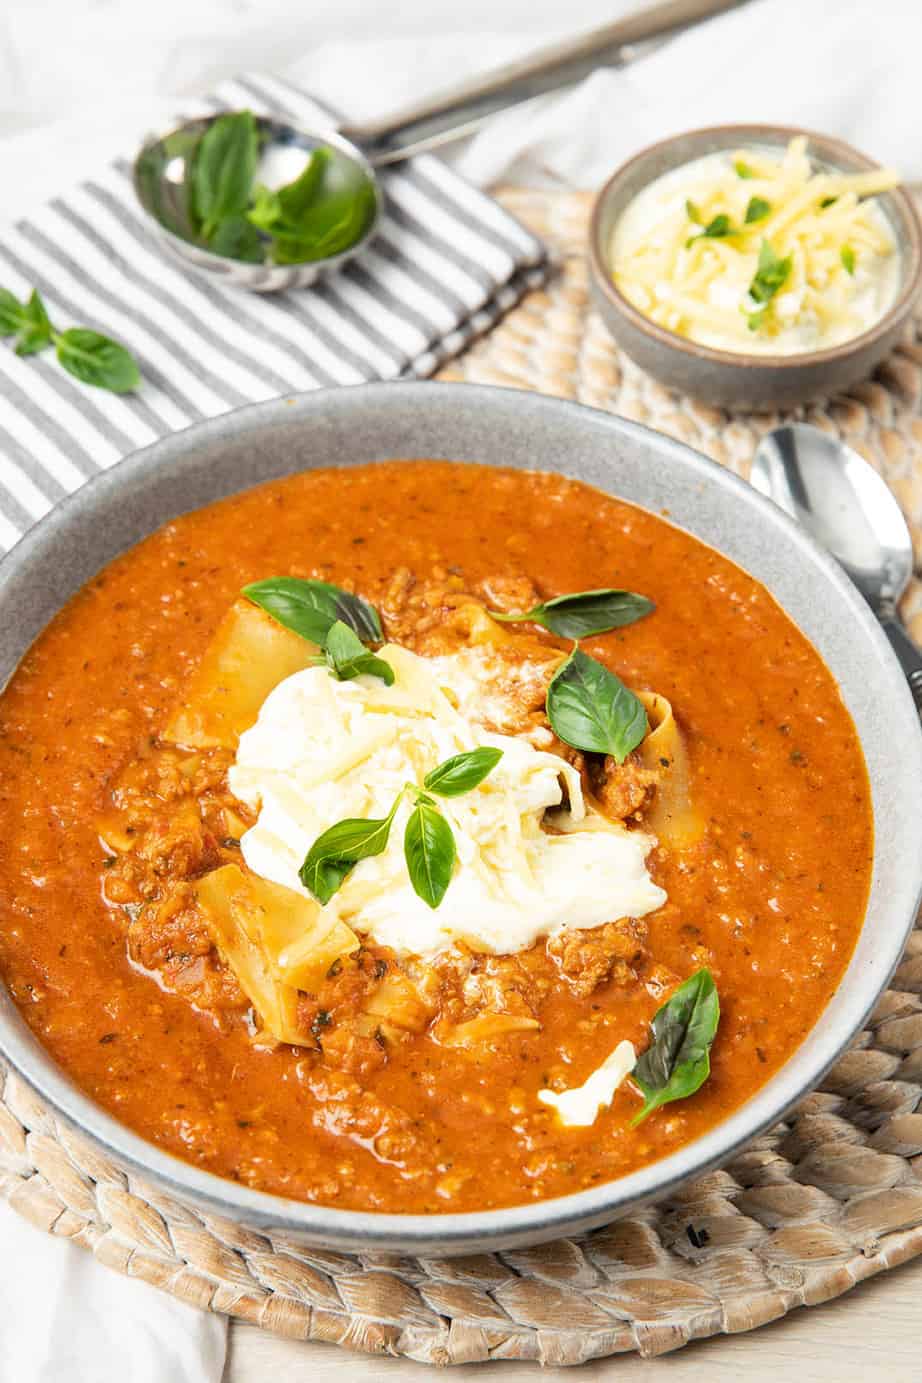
{"type": "Point", "coordinates": [161, 166]}
{"type": "Point", "coordinates": [846, 506]}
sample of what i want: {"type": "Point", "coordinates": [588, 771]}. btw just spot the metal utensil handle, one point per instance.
{"type": "Point", "coordinates": [909, 655]}
{"type": "Point", "coordinates": [456, 109]}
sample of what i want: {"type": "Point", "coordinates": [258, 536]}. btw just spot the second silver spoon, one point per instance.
{"type": "Point", "coordinates": [846, 506]}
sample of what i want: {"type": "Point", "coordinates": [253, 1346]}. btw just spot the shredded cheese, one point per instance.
{"type": "Point", "coordinates": [579, 1107]}
{"type": "Point", "coordinates": [322, 751]}
{"type": "Point", "coordinates": [688, 252]}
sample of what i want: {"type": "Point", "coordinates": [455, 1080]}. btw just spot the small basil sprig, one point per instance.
{"type": "Point", "coordinates": [311, 608]}
{"type": "Point", "coordinates": [428, 843]}
{"type": "Point", "coordinates": [584, 613]}
{"type": "Point", "coordinates": [223, 170]}
{"type": "Point", "coordinates": [678, 1061]}
{"type": "Point", "coordinates": [590, 708]}
{"type": "Point", "coordinates": [321, 213]}
{"type": "Point", "coordinates": [772, 272]}
{"type": "Point", "coordinates": [89, 356]}
{"type": "Point", "coordinates": [335, 853]}
{"type": "Point", "coordinates": [347, 657]}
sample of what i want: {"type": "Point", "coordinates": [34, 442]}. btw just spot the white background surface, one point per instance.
{"type": "Point", "coordinates": [81, 80]}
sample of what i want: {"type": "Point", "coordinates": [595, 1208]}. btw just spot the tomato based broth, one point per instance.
{"type": "Point", "coordinates": [770, 898]}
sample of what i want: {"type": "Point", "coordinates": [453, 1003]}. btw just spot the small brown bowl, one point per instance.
{"type": "Point", "coordinates": [732, 378]}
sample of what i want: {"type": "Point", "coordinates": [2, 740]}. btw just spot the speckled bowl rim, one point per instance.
{"type": "Point", "coordinates": [525, 430]}
{"type": "Point", "coordinates": [831, 150]}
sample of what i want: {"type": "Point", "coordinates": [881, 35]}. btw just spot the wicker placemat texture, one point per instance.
{"type": "Point", "coordinates": [829, 1197]}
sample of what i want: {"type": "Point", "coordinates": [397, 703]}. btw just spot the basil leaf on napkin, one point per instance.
{"type": "Point", "coordinates": [11, 313]}
{"type": "Point", "coordinates": [462, 772]}
{"type": "Point", "coordinates": [347, 657]}
{"type": "Point", "coordinates": [95, 359]}
{"type": "Point", "coordinates": [36, 330]}
{"type": "Point", "coordinates": [430, 852]}
{"type": "Point", "coordinates": [223, 169]}
{"type": "Point", "coordinates": [89, 356]}
{"type": "Point", "coordinates": [678, 1061]}
{"type": "Point", "coordinates": [311, 608]}
{"type": "Point", "coordinates": [590, 708]}
{"type": "Point", "coordinates": [584, 613]}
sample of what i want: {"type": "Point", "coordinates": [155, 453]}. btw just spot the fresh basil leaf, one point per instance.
{"type": "Point", "coordinates": [771, 274]}
{"type": "Point", "coordinates": [236, 238]}
{"type": "Point", "coordinates": [429, 850]}
{"type": "Point", "coordinates": [31, 341]}
{"type": "Point", "coordinates": [12, 313]}
{"type": "Point", "coordinates": [757, 210]}
{"type": "Point", "coordinates": [223, 169]}
{"type": "Point", "coordinates": [97, 360]}
{"type": "Point", "coordinates": [462, 772]}
{"type": "Point", "coordinates": [347, 656]}
{"type": "Point", "coordinates": [37, 331]}
{"type": "Point", "coordinates": [297, 198]}
{"type": "Point", "coordinates": [584, 613]}
{"type": "Point", "coordinates": [311, 608]}
{"type": "Point", "coordinates": [589, 708]}
{"type": "Point", "coordinates": [335, 853]}
{"type": "Point", "coordinates": [743, 170]}
{"type": "Point", "coordinates": [716, 229]}
{"type": "Point", "coordinates": [692, 212]}
{"type": "Point", "coordinates": [847, 256]}
{"type": "Point", "coordinates": [266, 209]}
{"type": "Point", "coordinates": [341, 208]}
{"type": "Point", "coordinates": [678, 1062]}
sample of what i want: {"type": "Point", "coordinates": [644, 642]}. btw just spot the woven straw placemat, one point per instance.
{"type": "Point", "coordinates": [827, 1198]}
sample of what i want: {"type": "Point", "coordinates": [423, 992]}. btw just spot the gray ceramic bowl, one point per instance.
{"type": "Point", "coordinates": [508, 428]}
{"type": "Point", "coordinates": [729, 377]}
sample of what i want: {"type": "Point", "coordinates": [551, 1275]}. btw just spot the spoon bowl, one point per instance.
{"type": "Point", "coordinates": [161, 182]}
{"type": "Point", "coordinates": [849, 509]}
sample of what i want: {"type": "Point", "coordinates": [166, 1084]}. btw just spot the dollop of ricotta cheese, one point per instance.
{"type": "Point", "coordinates": [323, 750]}
{"type": "Point", "coordinates": [579, 1107]}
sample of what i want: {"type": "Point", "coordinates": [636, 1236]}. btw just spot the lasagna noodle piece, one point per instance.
{"type": "Point", "coordinates": [672, 815]}
{"type": "Point", "coordinates": [249, 654]}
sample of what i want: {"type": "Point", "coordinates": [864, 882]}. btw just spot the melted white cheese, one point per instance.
{"type": "Point", "coordinates": [578, 1108]}
{"type": "Point", "coordinates": [324, 750]}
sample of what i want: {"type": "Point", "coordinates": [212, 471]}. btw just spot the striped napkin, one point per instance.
{"type": "Point", "coordinates": [447, 263]}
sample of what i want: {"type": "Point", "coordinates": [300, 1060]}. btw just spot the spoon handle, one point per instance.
{"type": "Point", "coordinates": [909, 655]}
{"type": "Point", "coordinates": [458, 110]}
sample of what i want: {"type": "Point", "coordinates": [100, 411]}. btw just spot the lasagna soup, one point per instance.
{"type": "Point", "coordinates": [425, 837]}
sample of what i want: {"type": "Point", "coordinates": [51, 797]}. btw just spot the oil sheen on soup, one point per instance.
{"type": "Point", "coordinates": [353, 889]}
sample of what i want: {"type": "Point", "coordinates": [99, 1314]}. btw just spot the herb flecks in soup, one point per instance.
{"type": "Point", "coordinates": [436, 937]}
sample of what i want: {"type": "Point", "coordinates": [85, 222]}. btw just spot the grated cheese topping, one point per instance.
{"type": "Point", "coordinates": [323, 750]}
{"type": "Point", "coordinates": [689, 252]}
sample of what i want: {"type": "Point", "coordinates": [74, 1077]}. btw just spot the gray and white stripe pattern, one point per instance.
{"type": "Point", "coordinates": [447, 263]}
